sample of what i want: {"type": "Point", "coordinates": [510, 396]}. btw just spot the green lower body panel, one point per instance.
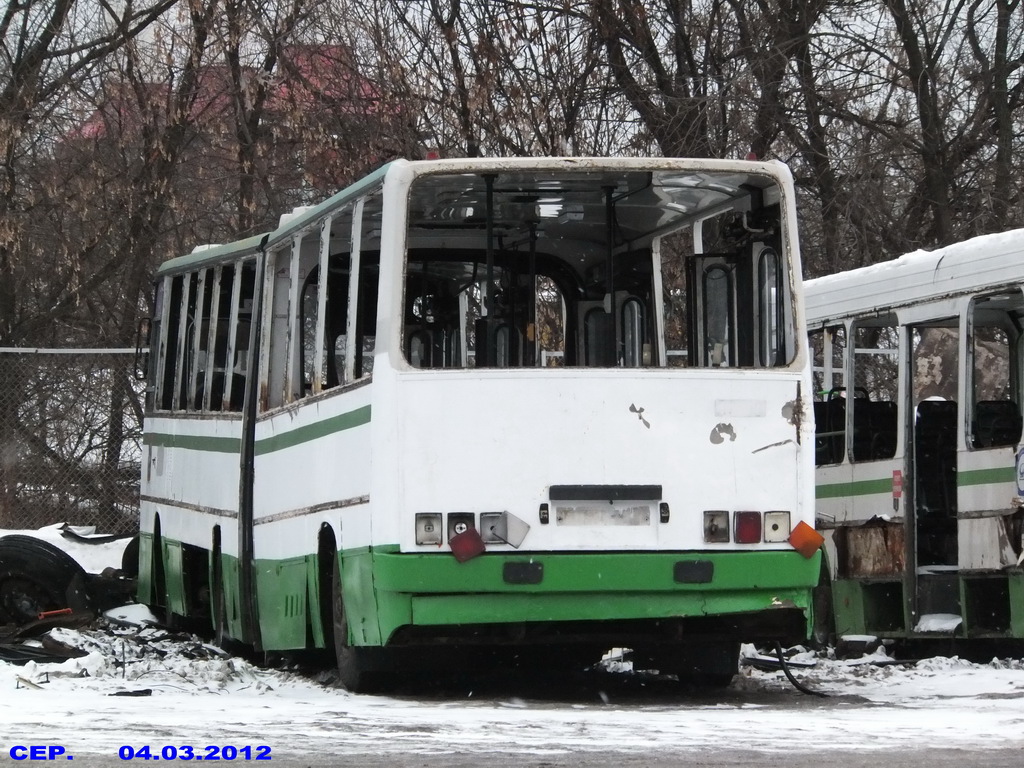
{"type": "Point", "coordinates": [422, 591]}
{"type": "Point", "coordinates": [232, 595]}
{"type": "Point", "coordinates": [990, 605]}
{"type": "Point", "coordinates": [388, 593]}
{"type": "Point", "coordinates": [161, 574]}
{"type": "Point", "coordinates": [283, 601]}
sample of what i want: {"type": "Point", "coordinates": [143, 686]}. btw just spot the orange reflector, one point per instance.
{"type": "Point", "coordinates": [806, 540]}
{"type": "Point", "coordinates": [467, 545]}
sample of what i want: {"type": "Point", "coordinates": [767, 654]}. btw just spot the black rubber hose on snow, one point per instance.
{"type": "Point", "coordinates": [789, 675]}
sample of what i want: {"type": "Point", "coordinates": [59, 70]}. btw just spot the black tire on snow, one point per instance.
{"type": "Point", "coordinates": [130, 558]}
{"type": "Point", "coordinates": [36, 576]}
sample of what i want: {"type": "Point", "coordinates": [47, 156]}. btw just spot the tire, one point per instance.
{"type": "Point", "coordinates": [36, 577]}
{"type": "Point", "coordinates": [360, 669]}
{"type": "Point", "coordinates": [218, 604]}
{"type": "Point", "coordinates": [710, 665]}
{"type": "Point", "coordinates": [130, 558]}
{"type": "Point", "coordinates": [717, 668]}
{"type": "Point", "coordinates": [823, 629]}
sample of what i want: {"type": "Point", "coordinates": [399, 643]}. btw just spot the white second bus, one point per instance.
{"type": "Point", "coordinates": [918, 379]}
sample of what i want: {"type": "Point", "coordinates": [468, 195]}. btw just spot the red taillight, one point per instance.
{"type": "Point", "coordinates": [747, 527]}
{"type": "Point", "coordinates": [467, 545]}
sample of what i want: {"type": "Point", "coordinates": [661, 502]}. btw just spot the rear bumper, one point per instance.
{"type": "Point", "coordinates": [585, 596]}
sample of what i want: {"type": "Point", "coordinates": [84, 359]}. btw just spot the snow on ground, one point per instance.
{"type": "Point", "coordinates": [199, 696]}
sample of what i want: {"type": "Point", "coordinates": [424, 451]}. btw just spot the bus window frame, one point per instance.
{"type": "Point", "coordinates": [853, 350]}
{"type": "Point", "coordinates": [211, 336]}
{"type": "Point", "coordinates": [181, 342]}
{"type": "Point", "coordinates": [158, 342]}
{"type": "Point", "coordinates": [829, 371]}
{"type": "Point", "coordinates": [1015, 354]}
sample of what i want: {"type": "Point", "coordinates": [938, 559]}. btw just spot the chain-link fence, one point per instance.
{"type": "Point", "coordinates": [70, 438]}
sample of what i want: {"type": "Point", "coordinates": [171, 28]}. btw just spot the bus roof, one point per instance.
{"type": "Point", "coordinates": [216, 253]}
{"type": "Point", "coordinates": [304, 218]}
{"type": "Point", "coordinates": [989, 261]}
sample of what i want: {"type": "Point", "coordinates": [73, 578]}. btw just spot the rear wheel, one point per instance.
{"type": "Point", "coordinates": [361, 669]}
{"type": "Point", "coordinates": [824, 626]}
{"type": "Point", "coordinates": [36, 577]}
{"type": "Point", "coordinates": [711, 665]}
{"type": "Point", "coordinates": [130, 558]}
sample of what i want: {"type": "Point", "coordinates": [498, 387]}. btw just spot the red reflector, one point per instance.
{"type": "Point", "coordinates": [467, 545]}
{"type": "Point", "coordinates": [747, 527]}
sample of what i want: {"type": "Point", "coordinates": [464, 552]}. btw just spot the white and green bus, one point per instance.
{"type": "Point", "coordinates": [553, 405]}
{"type": "Point", "coordinates": [918, 377]}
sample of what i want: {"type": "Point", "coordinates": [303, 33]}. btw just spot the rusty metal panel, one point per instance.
{"type": "Point", "coordinates": [877, 548]}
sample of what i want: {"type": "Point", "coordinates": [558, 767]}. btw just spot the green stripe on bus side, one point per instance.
{"type": "Point", "coordinates": [964, 478]}
{"type": "Point", "coordinates": [339, 423]}
{"type": "Point", "coordinates": [194, 442]}
{"type": "Point", "coordinates": [854, 488]}
{"type": "Point", "coordinates": [986, 476]}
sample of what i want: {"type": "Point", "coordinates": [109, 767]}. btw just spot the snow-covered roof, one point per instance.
{"type": "Point", "coordinates": [978, 264]}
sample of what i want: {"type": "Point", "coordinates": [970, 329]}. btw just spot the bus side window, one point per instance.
{"type": "Point", "coordinates": [828, 348]}
{"type": "Point", "coordinates": [364, 327]}
{"type": "Point", "coordinates": [830, 430]}
{"type": "Point", "coordinates": [366, 322]}
{"type": "Point", "coordinates": [173, 349]}
{"type": "Point", "coordinates": [170, 312]}
{"type": "Point", "coordinates": [994, 378]}
{"type": "Point", "coordinates": [336, 315]}
{"type": "Point", "coordinates": [874, 394]}
{"type": "Point", "coordinates": [996, 423]}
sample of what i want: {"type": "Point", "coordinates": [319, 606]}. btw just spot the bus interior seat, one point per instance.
{"type": "Point", "coordinates": [874, 429]}
{"type": "Point", "coordinates": [830, 428]}
{"type": "Point", "coordinates": [996, 423]}
{"type": "Point", "coordinates": [419, 346]}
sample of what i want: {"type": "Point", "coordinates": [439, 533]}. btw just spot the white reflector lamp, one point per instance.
{"type": "Point", "coordinates": [428, 528]}
{"type": "Point", "coordinates": [776, 527]}
{"type": "Point", "coordinates": [503, 528]}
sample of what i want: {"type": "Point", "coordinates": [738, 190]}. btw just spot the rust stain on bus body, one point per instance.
{"type": "Point", "coordinates": [876, 548]}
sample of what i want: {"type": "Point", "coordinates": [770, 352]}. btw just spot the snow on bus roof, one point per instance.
{"type": "Point", "coordinates": [988, 261]}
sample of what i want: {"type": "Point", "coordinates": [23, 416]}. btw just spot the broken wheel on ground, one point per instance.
{"type": "Point", "coordinates": [37, 577]}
